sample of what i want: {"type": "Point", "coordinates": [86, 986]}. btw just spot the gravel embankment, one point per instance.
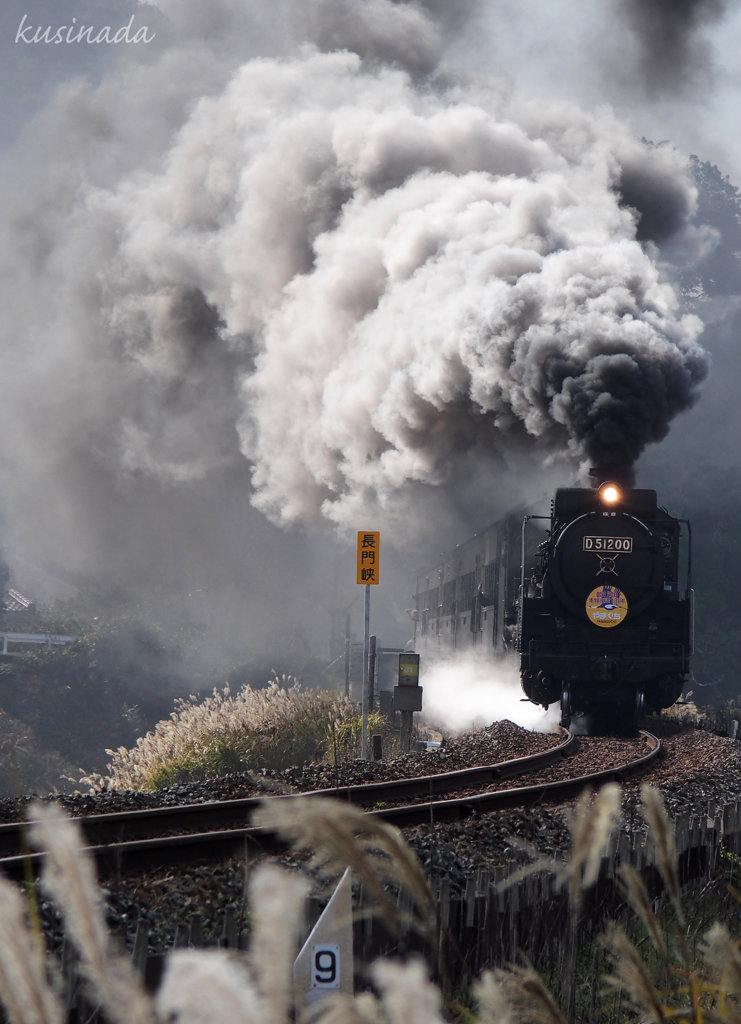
{"type": "Point", "coordinates": [696, 770]}
{"type": "Point", "coordinates": [498, 742]}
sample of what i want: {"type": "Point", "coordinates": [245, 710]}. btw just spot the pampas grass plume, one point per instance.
{"type": "Point", "coordinates": [205, 987]}
{"type": "Point", "coordinates": [662, 836]}
{"type": "Point", "coordinates": [591, 827]}
{"type": "Point", "coordinates": [277, 900]}
{"type": "Point", "coordinates": [23, 987]}
{"type": "Point", "coordinates": [494, 1007]}
{"type": "Point", "coordinates": [340, 836]}
{"type": "Point", "coordinates": [635, 890]}
{"type": "Point", "coordinates": [69, 879]}
{"type": "Point", "coordinates": [408, 995]}
{"type": "Point", "coordinates": [631, 974]}
{"type": "Point", "coordinates": [519, 994]}
{"type": "Point", "coordinates": [723, 956]}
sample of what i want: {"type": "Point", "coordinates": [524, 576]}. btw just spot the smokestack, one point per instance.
{"type": "Point", "coordinates": [623, 476]}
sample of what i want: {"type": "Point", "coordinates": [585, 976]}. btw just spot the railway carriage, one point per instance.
{"type": "Point", "coordinates": [468, 598]}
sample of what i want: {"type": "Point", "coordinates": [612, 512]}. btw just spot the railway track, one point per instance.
{"type": "Point", "coordinates": [133, 840]}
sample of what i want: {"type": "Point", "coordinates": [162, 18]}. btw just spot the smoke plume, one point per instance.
{"type": "Point", "coordinates": [672, 50]}
{"type": "Point", "coordinates": [292, 256]}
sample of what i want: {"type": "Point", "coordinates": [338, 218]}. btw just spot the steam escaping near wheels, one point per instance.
{"type": "Point", "coordinates": [467, 691]}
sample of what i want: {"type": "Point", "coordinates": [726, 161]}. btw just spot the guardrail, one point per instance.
{"type": "Point", "coordinates": [47, 640]}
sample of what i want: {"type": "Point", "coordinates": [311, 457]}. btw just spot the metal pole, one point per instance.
{"type": "Point", "coordinates": [406, 731]}
{"type": "Point", "coordinates": [372, 675]}
{"type": "Point", "coordinates": [364, 702]}
{"type": "Point", "coordinates": [347, 655]}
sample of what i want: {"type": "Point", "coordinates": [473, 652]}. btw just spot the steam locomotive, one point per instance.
{"type": "Point", "coordinates": [595, 599]}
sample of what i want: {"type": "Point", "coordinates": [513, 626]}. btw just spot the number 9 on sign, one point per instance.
{"type": "Point", "coordinates": [325, 966]}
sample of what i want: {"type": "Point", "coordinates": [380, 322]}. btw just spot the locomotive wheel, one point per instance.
{"type": "Point", "coordinates": [566, 707]}
{"type": "Point", "coordinates": [629, 712]}
{"type": "Point", "coordinates": [640, 700]}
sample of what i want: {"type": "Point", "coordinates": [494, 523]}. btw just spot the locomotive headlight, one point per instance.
{"type": "Point", "coordinates": [610, 494]}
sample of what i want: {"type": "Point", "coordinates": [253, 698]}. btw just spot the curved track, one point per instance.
{"type": "Point", "coordinates": [133, 840]}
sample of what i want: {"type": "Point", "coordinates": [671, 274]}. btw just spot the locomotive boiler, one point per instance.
{"type": "Point", "coordinates": [604, 622]}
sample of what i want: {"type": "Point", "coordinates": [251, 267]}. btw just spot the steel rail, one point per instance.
{"type": "Point", "coordinates": [521, 796]}
{"type": "Point", "coordinates": [132, 855]}
{"type": "Point", "coordinates": [144, 823]}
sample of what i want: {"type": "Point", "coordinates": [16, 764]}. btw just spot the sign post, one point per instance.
{"type": "Point", "coordinates": [369, 544]}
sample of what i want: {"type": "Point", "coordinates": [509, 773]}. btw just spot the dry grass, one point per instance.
{"type": "Point", "coordinates": [24, 991]}
{"type": "Point", "coordinates": [592, 824]}
{"type": "Point", "coordinates": [69, 880]}
{"type": "Point", "coordinates": [212, 987]}
{"type": "Point", "coordinates": [274, 727]}
{"type": "Point", "coordinates": [339, 836]}
{"type": "Point", "coordinates": [686, 712]}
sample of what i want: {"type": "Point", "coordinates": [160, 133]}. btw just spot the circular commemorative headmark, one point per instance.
{"type": "Point", "coordinates": [606, 606]}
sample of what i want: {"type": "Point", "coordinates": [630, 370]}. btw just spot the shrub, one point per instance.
{"type": "Point", "coordinates": [272, 728]}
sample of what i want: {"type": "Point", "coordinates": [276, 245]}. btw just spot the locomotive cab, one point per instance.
{"type": "Point", "coordinates": [605, 611]}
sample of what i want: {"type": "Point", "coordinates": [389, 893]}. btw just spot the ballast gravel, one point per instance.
{"type": "Point", "coordinates": [696, 772]}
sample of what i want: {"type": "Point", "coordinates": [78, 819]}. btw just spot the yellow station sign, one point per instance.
{"type": "Point", "coordinates": [369, 546]}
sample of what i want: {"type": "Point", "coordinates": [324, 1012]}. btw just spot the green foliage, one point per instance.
{"type": "Point", "coordinates": [217, 758]}
{"type": "Point", "coordinates": [346, 736]}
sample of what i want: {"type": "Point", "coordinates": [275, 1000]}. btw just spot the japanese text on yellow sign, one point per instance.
{"type": "Point", "coordinates": [369, 544]}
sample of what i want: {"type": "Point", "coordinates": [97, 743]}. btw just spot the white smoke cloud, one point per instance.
{"type": "Point", "coordinates": [296, 253]}
{"type": "Point", "coordinates": [417, 274]}
{"type": "Point", "coordinates": [466, 691]}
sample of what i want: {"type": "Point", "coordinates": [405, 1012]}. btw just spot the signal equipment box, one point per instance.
{"type": "Point", "coordinates": [408, 693]}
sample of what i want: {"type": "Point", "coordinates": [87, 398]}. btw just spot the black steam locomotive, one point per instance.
{"type": "Point", "coordinates": [595, 598]}
{"type": "Point", "coordinates": [604, 618]}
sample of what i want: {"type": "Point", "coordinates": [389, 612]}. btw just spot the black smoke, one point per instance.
{"type": "Point", "coordinates": [672, 51]}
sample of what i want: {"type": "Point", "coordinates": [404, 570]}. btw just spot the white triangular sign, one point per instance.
{"type": "Point", "coordinates": [325, 964]}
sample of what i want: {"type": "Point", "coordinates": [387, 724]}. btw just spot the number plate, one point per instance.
{"type": "Point", "coordinates": [610, 544]}
{"type": "Point", "coordinates": [325, 966]}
